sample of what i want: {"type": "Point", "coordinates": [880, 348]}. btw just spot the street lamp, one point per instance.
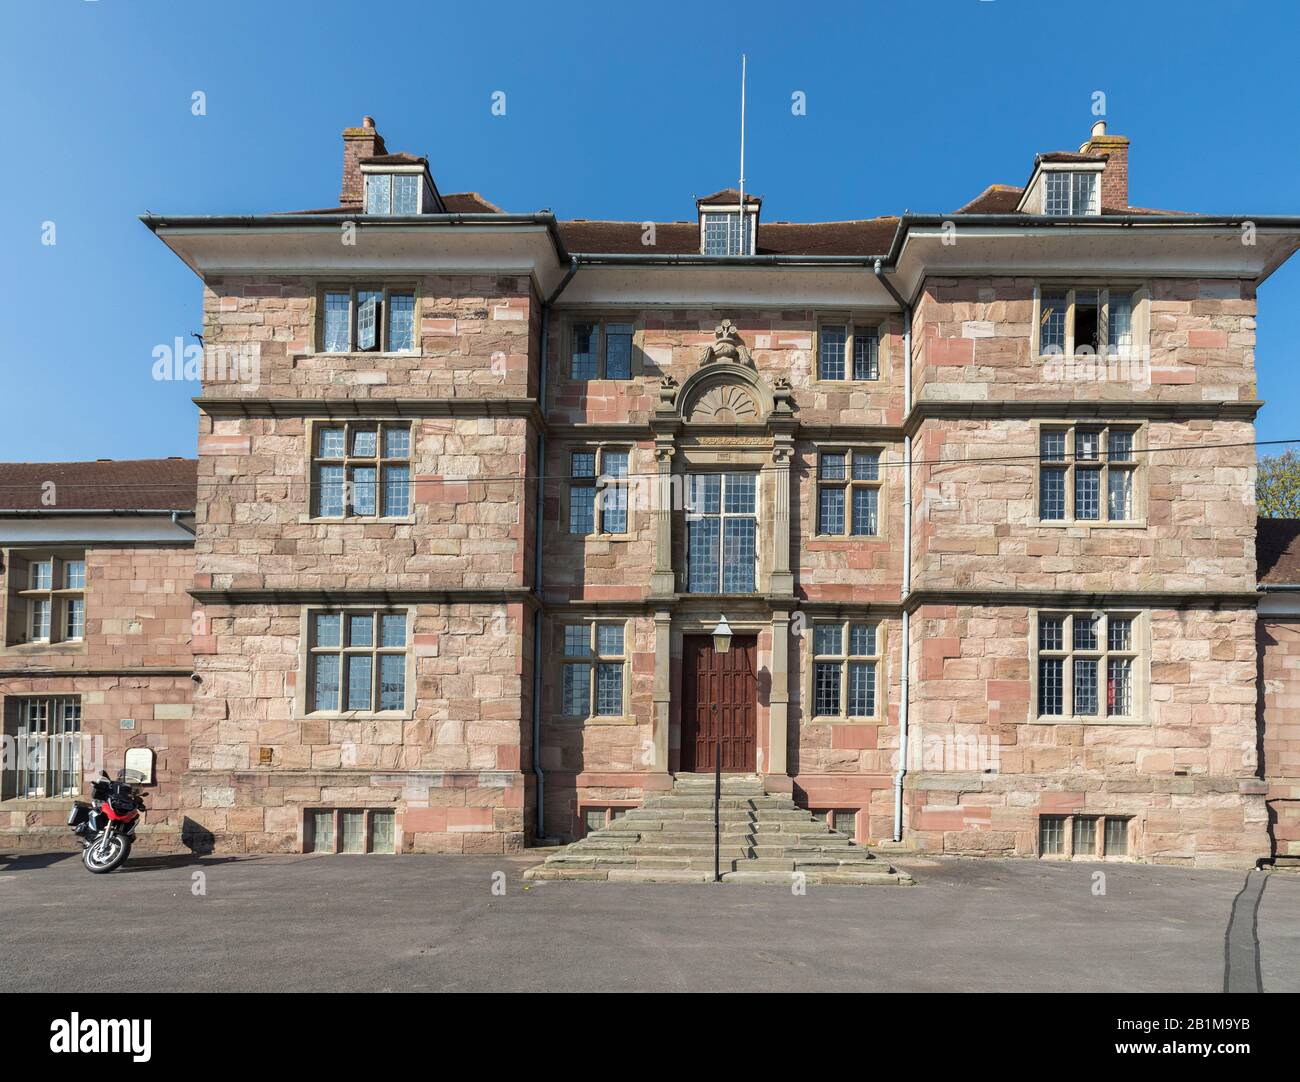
{"type": "Point", "coordinates": [722, 636]}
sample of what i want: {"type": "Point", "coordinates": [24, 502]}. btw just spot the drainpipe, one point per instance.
{"type": "Point", "coordinates": [904, 682]}
{"type": "Point", "coordinates": [543, 363]}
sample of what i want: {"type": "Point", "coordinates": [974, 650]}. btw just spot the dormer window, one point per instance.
{"type": "Point", "coordinates": [724, 235]}
{"type": "Point", "coordinates": [393, 193]}
{"type": "Point", "coordinates": [1071, 194]}
{"type": "Point", "coordinates": [724, 229]}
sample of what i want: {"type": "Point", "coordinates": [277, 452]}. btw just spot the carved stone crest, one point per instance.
{"type": "Point", "coordinates": [727, 347]}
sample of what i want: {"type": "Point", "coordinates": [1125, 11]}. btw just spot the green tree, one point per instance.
{"type": "Point", "coordinates": [1277, 490]}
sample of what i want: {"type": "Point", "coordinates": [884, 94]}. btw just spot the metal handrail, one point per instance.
{"type": "Point", "coordinates": [717, 812]}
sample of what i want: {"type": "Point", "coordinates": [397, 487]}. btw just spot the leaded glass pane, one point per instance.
{"type": "Point", "coordinates": [1085, 686]}
{"type": "Point", "coordinates": [1119, 445]}
{"type": "Point", "coordinates": [831, 466]}
{"type": "Point", "coordinates": [866, 465]}
{"type": "Point", "coordinates": [360, 676]}
{"type": "Point", "coordinates": [1119, 495]}
{"type": "Point", "coordinates": [75, 624]}
{"type": "Point", "coordinates": [704, 493]}
{"type": "Point", "coordinates": [378, 193]}
{"type": "Point", "coordinates": [382, 835]}
{"type": "Point", "coordinates": [401, 321]}
{"type": "Point", "coordinates": [368, 303]}
{"type": "Point", "coordinates": [74, 575]}
{"type": "Point", "coordinates": [1119, 631]}
{"type": "Point", "coordinates": [582, 509]}
{"type": "Point", "coordinates": [331, 443]}
{"type": "Point", "coordinates": [397, 490]}
{"type": "Point", "coordinates": [826, 688]}
{"type": "Point", "coordinates": [1084, 194]}
{"type": "Point", "coordinates": [41, 619]}
{"type": "Point", "coordinates": [325, 684]}
{"type": "Point", "coordinates": [329, 629]}
{"type": "Point", "coordinates": [337, 310]}
{"type": "Point", "coordinates": [1051, 632]}
{"type": "Point", "coordinates": [703, 536]}
{"type": "Point", "coordinates": [397, 442]}
{"type": "Point", "coordinates": [577, 688]}
{"type": "Point", "coordinates": [582, 464]}
{"type": "Point", "coordinates": [1052, 445]}
{"type": "Point", "coordinates": [365, 442]}
{"type": "Point", "coordinates": [406, 194]}
{"type": "Point", "coordinates": [614, 464]}
{"type": "Point", "coordinates": [828, 639]}
{"type": "Point", "coordinates": [866, 512]}
{"type": "Point", "coordinates": [1087, 494]}
{"type": "Point", "coordinates": [363, 490]}
{"type": "Point", "coordinates": [1085, 632]}
{"type": "Point", "coordinates": [321, 830]}
{"type": "Point", "coordinates": [740, 490]}
{"type": "Point", "coordinates": [609, 640]}
{"type": "Point", "coordinates": [862, 688]}
{"type": "Point", "coordinates": [846, 821]}
{"type": "Point", "coordinates": [613, 509]}
{"type": "Point", "coordinates": [331, 491]}
{"type": "Point", "coordinates": [1051, 835]}
{"type": "Point", "coordinates": [830, 511]}
{"type": "Point", "coordinates": [392, 629]}
{"type": "Point", "coordinates": [584, 363]}
{"type": "Point", "coordinates": [353, 838]}
{"type": "Point", "coordinates": [1051, 687]}
{"type": "Point", "coordinates": [618, 351]}
{"type": "Point", "coordinates": [1119, 687]}
{"type": "Point", "coordinates": [1056, 197]}
{"type": "Point", "coordinates": [738, 556]}
{"type": "Point", "coordinates": [1051, 494]}
{"type": "Point", "coordinates": [1051, 324]}
{"type": "Point", "coordinates": [866, 358]}
{"type": "Point", "coordinates": [831, 344]}
{"type": "Point", "coordinates": [1119, 325]}
{"type": "Point", "coordinates": [862, 639]}
{"type": "Point", "coordinates": [42, 575]}
{"type": "Point", "coordinates": [361, 630]}
{"type": "Point", "coordinates": [1087, 444]}
{"type": "Point", "coordinates": [1116, 838]}
{"type": "Point", "coordinates": [609, 690]}
{"type": "Point", "coordinates": [392, 681]}
{"type": "Point", "coordinates": [577, 640]}
{"type": "Point", "coordinates": [1085, 836]}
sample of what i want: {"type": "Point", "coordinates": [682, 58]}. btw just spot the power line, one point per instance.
{"type": "Point", "coordinates": [847, 445]}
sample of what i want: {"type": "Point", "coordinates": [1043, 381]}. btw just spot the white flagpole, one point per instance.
{"type": "Point", "coordinates": [743, 235]}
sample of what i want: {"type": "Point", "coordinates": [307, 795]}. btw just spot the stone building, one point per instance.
{"type": "Point", "coordinates": [972, 494]}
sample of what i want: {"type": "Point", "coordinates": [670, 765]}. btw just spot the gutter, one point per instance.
{"type": "Point", "coordinates": [692, 259]}
{"type": "Point", "coordinates": [157, 222]}
{"type": "Point", "coordinates": [905, 676]}
{"type": "Point", "coordinates": [543, 364]}
{"type": "Point", "coordinates": [128, 512]}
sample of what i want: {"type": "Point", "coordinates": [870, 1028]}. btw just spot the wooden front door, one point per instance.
{"type": "Point", "coordinates": [719, 704]}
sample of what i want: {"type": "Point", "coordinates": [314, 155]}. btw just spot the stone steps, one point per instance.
{"type": "Point", "coordinates": [765, 839]}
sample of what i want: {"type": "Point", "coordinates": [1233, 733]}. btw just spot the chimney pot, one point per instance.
{"type": "Point", "coordinates": [358, 144]}
{"type": "Point", "coordinates": [1098, 129]}
{"type": "Point", "coordinates": [369, 122]}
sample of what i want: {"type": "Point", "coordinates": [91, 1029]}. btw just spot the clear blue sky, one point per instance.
{"type": "Point", "coordinates": [615, 110]}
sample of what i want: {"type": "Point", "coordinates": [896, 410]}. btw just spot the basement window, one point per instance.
{"type": "Point", "coordinates": [1083, 837]}
{"type": "Point", "coordinates": [349, 830]}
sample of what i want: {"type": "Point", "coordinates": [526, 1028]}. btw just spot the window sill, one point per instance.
{"type": "Point", "coordinates": [357, 715]}
{"type": "Point", "coordinates": [61, 646]}
{"type": "Point", "coordinates": [848, 537]}
{"type": "Point", "coordinates": [361, 520]}
{"type": "Point", "coordinates": [363, 354]}
{"type": "Point", "coordinates": [602, 536]}
{"type": "Point", "coordinates": [601, 719]}
{"type": "Point", "coordinates": [1093, 524]}
{"type": "Point", "coordinates": [826, 384]}
{"type": "Point", "coordinates": [832, 719]}
{"type": "Point", "coordinates": [1070, 720]}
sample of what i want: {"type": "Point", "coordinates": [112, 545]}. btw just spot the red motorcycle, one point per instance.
{"type": "Point", "coordinates": [107, 827]}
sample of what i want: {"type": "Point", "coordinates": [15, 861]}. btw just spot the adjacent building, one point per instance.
{"type": "Point", "coordinates": [970, 495]}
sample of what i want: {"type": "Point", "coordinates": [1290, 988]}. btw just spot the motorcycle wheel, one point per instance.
{"type": "Point", "coordinates": [105, 853]}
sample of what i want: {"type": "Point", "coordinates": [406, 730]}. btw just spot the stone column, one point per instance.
{"type": "Point", "coordinates": [782, 579]}
{"type": "Point", "coordinates": [663, 688]}
{"type": "Point", "coordinates": [779, 696]}
{"type": "Point", "coordinates": [663, 582]}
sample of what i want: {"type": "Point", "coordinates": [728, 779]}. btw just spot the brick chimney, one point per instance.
{"type": "Point", "coordinates": [1114, 178]}
{"type": "Point", "coordinates": [358, 143]}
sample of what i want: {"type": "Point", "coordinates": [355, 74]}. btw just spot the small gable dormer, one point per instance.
{"type": "Point", "coordinates": [1077, 185]}
{"type": "Point", "coordinates": [377, 182]}
{"type": "Point", "coordinates": [724, 229]}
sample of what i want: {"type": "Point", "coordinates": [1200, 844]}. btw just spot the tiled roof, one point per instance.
{"type": "Point", "coordinates": [168, 484]}
{"type": "Point", "coordinates": [726, 196]}
{"type": "Point", "coordinates": [469, 203]}
{"type": "Point", "coordinates": [1277, 551]}
{"type": "Point", "coordinates": [995, 199]}
{"type": "Point", "coordinates": [871, 236]}
{"type": "Point", "coordinates": [395, 159]}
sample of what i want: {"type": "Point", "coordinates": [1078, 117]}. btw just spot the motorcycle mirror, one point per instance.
{"type": "Point", "coordinates": [104, 774]}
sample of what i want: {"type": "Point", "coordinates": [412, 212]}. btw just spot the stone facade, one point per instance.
{"type": "Point", "coordinates": [546, 669]}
